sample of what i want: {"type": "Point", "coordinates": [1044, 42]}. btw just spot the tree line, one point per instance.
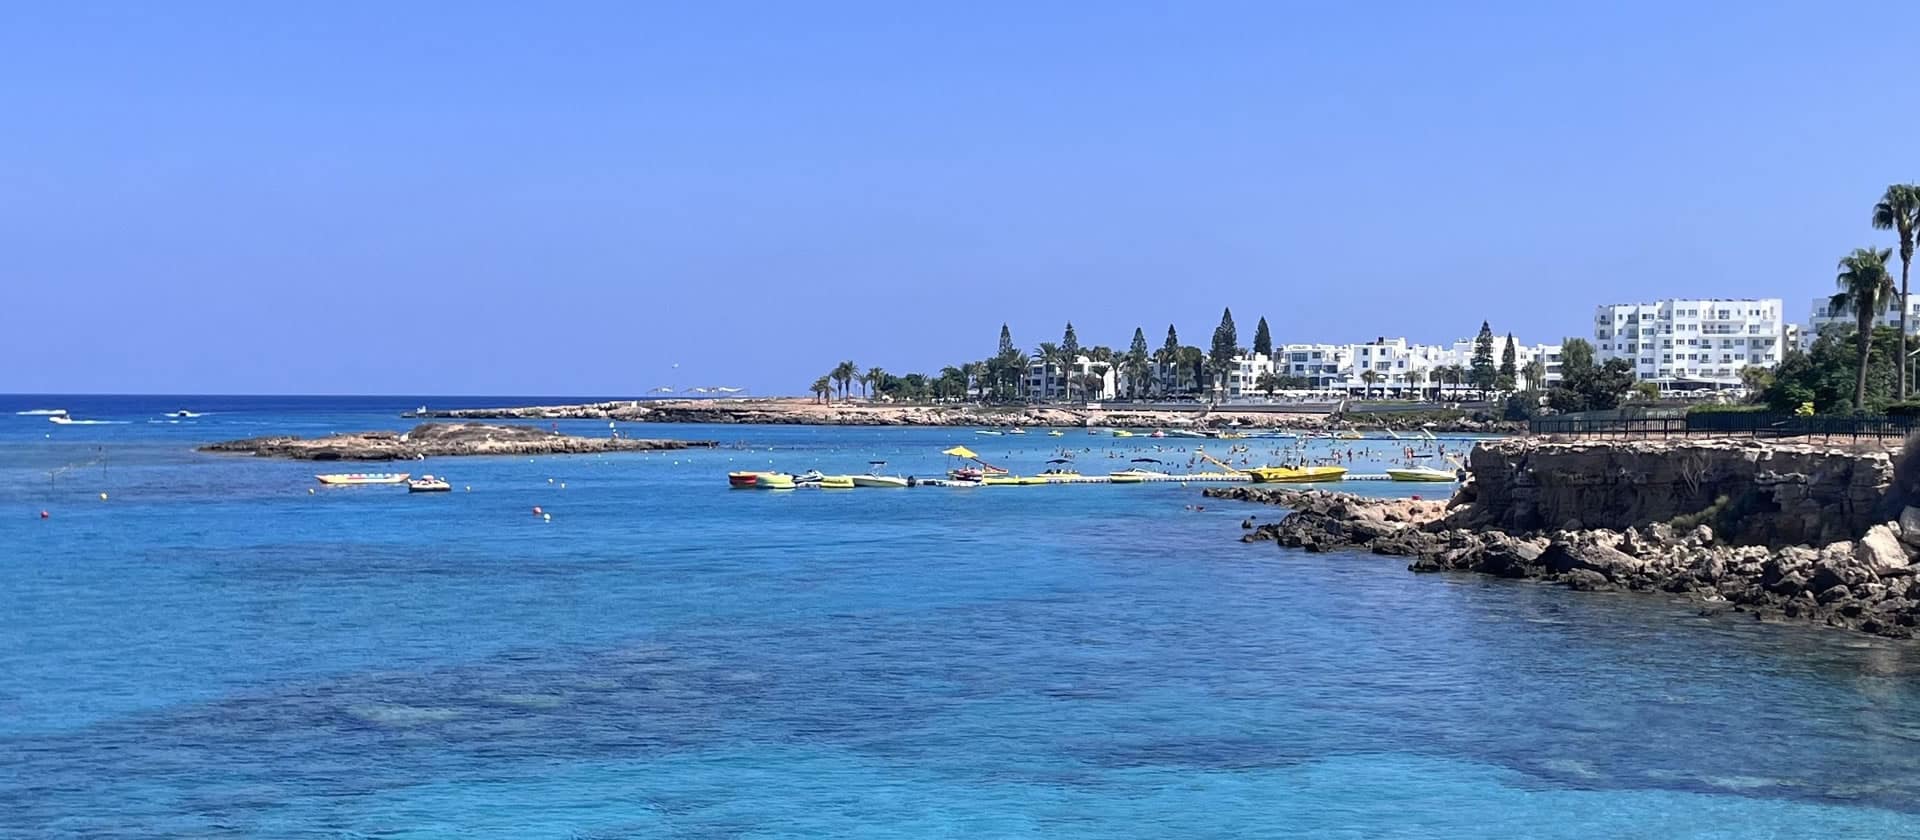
{"type": "Point", "coordinates": [1173, 369]}
{"type": "Point", "coordinates": [1878, 366]}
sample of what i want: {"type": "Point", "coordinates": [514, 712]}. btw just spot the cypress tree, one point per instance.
{"type": "Point", "coordinates": [1484, 373]}
{"type": "Point", "coordinates": [1509, 374]}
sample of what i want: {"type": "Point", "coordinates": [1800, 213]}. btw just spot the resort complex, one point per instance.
{"type": "Point", "coordinates": [1691, 343]}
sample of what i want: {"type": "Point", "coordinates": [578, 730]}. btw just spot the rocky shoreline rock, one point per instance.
{"type": "Point", "coordinates": [1867, 585]}
{"type": "Point", "coordinates": [438, 440]}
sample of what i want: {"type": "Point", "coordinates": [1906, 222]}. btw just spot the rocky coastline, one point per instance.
{"type": "Point", "coordinates": [787, 411]}
{"type": "Point", "coordinates": [438, 440]}
{"type": "Point", "coordinates": [1792, 552]}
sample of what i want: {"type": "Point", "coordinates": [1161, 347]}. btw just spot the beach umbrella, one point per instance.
{"type": "Point", "coordinates": [1147, 460]}
{"type": "Point", "coordinates": [960, 452]}
{"type": "Point", "coordinates": [1060, 461]}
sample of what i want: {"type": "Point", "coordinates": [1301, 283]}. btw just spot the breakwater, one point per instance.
{"type": "Point", "coordinates": [1777, 530]}
{"type": "Point", "coordinates": [438, 440]}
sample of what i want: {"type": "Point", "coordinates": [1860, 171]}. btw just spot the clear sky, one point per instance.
{"type": "Point", "coordinates": [573, 198]}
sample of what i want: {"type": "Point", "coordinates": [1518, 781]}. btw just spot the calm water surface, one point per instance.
{"type": "Point", "coordinates": [213, 651]}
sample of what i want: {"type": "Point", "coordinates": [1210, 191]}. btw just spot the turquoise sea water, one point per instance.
{"type": "Point", "coordinates": [213, 651]}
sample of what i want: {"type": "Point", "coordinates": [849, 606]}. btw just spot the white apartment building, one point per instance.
{"type": "Point", "coordinates": [1692, 342]}
{"type": "Point", "coordinates": [1826, 317]}
{"type": "Point", "coordinates": [1047, 381]}
{"type": "Point", "coordinates": [1399, 366]}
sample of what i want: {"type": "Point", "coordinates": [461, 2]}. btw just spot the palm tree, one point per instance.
{"type": "Point", "coordinates": [1368, 376]}
{"type": "Point", "coordinates": [948, 376]}
{"type": "Point", "coordinates": [1899, 211]}
{"type": "Point", "coordinates": [1049, 356]}
{"type": "Point", "coordinates": [822, 387]}
{"type": "Point", "coordinates": [1865, 287]}
{"type": "Point", "coordinates": [1417, 377]}
{"type": "Point", "coordinates": [844, 373]}
{"type": "Point", "coordinates": [1267, 382]}
{"type": "Point", "coordinates": [1100, 360]}
{"type": "Point", "coordinates": [871, 381]}
{"type": "Point", "coordinates": [1535, 372]}
{"type": "Point", "coordinates": [1192, 367]}
{"type": "Point", "coordinates": [1450, 375]}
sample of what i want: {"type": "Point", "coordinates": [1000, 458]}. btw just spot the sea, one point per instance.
{"type": "Point", "coordinates": [195, 645]}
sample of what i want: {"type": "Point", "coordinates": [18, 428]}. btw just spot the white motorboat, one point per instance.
{"type": "Point", "coordinates": [873, 478]}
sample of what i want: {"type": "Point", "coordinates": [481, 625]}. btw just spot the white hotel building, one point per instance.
{"type": "Point", "coordinates": [1691, 343]}
{"type": "Point", "coordinates": [1400, 367]}
{"type": "Point", "coordinates": [1826, 317]}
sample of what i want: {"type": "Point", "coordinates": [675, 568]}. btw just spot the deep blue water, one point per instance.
{"type": "Point", "coordinates": [215, 651]}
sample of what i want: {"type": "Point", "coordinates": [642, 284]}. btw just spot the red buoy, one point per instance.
{"type": "Point", "coordinates": [43, 514]}
{"type": "Point", "coordinates": [536, 510]}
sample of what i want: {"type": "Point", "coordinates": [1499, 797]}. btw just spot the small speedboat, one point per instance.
{"type": "Point", "coordinates": [873, 478]}
{"type": "Point", "coordinates": [1056, 433]}
{"type": "Point", "coordinates": [1158, 433]}
{"type": "Point", "coordinates": [428, 484]}
{"type": "Point", "coordinates": [834, 482]}
{"type": "Point", "coordinates": [62, 419]}
{"type": "Point", "coordinates": [1421, 474]}
{"type": "Point", "coordinates": [1296, 475]}
{"type": "Point", "coordinates": [745, 479]}
{"type": "Point", "coordinates": [989, 432]}
{"type": "Point", "coordinates": [1350, 435]}
{"type": "Point", "coordinates": [1122, 433]}
{"type": "Point", "coordinates": [1016, 431]}
{"type": "Point", "coordinates": [1134, 474]}
{"type": "Point", "coordinates": [774, 481]}
{"type": "Point", "coordinates": [182, 413]}
{"type": "Point", "coordinates": [349, 479]}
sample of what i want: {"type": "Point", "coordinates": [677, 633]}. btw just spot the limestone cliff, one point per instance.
{"type": "Point", "coordinates": [1750, 492]}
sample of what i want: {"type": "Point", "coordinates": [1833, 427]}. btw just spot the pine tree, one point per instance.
{"type": "Point", "coordinates": [1508, 376]}
{"type": "Point", "coordinates": [1484, 375]}
{"type": "Point", "coordinates": [1170, 355]}
{"type": "Point", "coordinates": [1226, 345]}
{"type": "Point", "coordinates": [1137, 359]}
{"type": "Point", "coordinates": [1262, 339]}
{"type": "Point", "coordinates": [1006, 341]}
{"type": "Point", "coordinates": [1069, 356]}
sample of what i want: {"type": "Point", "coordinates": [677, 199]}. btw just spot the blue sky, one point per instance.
{"type": "Point", "coordinates": [494, 199]}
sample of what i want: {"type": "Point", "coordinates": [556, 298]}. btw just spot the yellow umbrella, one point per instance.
{"type": "Point", "coordinates": [961, 452]}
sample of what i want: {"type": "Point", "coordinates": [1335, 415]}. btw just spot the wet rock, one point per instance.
{"type": "Point", "coordinates": [1585, 580]}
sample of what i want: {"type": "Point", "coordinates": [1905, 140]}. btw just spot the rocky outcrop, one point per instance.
{"type": "Point", "coordinates": [1867, 584]}
{"type": "Point", "coordinates": [438, 440]}
{"type": "Point", "coordinates": [1751, 492]}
